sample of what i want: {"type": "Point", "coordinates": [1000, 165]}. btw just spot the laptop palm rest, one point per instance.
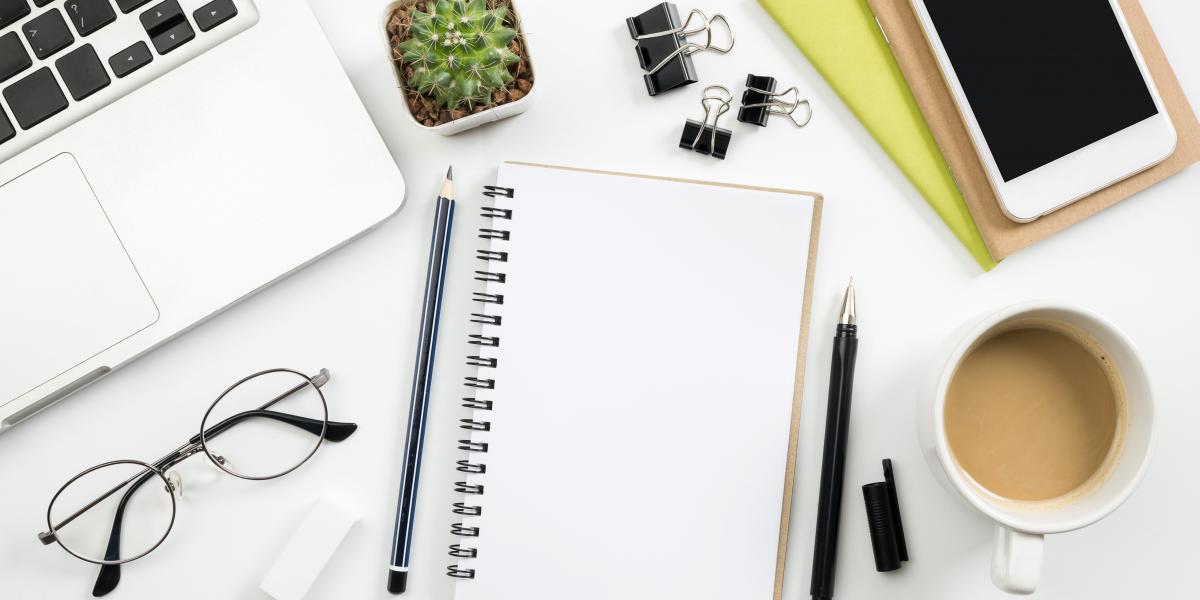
{"type": "Point", "coordinates": [69, 289]}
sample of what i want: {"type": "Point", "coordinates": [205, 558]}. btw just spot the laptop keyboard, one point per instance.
{"type": "Point", "coordinates": [61, 60]}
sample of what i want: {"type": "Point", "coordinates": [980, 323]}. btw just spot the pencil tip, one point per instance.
{"type": "Point", "coordinates": [450, 173]}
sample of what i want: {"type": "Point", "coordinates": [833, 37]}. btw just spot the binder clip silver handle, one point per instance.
{"type": "Point", "coordinates": [706, 137]}
{"type": "Point", "coordinates": [690, 48]}
{"type": "Point", "coordinates": [722, 105]}
{"type": "Point", "coordinates": [778, 105]}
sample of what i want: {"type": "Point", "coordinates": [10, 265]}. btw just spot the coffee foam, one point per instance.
{"type": "Point", "coordinates": [1116, 449]}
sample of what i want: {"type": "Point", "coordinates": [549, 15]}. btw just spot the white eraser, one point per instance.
{"type": "Point", "coordinates": [305, 555]}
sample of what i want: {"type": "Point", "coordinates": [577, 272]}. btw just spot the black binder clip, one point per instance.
{"type": "Point", "coordinates": [760, 101]}
{"type": "Point", "coordinates": [704, 137]}
{"type": "Point", "coordinates": [662, 47]}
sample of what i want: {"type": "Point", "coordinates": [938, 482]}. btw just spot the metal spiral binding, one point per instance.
{"type": "Point", "coordinates": [463, 487]}
{"type": "Point", "coordinates": [454, 571]}
{"type": "Point", "coordinates": [489, 298]}
{"type": "Point", "coordinates": [462, 508]}
{"type": "Point", "coordinates": [483, 340]}
{"type": "Point", "coordinates": [466, 466]}
{"type": "Point", "coordinates": [483, 384]}
{"type": "Point", "coordinates": [486, 276]}
{"type": "Point", "coordinates": [492, 255]}
{"type": "Point", "coordinates": [474, 425]}
{"type": "Point", "coordinates": [461, 530]}
{"type": "Point", "coordinates": [483, 361]}
{"type": "Point", "coordinates": [493, 191]}
{"type": "Point", "coordinates": [485, 319]}
{"type": "Point", "coordinates": [495, 234]}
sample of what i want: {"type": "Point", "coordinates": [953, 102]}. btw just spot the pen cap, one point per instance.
{"type": "Point", "coordinates": [884, 542]}
{"type": "Point", "coordinates": [883, 521]}
{"type": "Point", "coordinates": [889, 478]}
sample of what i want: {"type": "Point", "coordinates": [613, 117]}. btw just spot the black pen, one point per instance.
{"type": "Point", "coordinates": [431, 310]}
{"type": "Point", "coordinates": [833, 460]}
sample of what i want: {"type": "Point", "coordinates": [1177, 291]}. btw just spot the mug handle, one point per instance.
{"type": "Point", "coordinates": [1017, 560]}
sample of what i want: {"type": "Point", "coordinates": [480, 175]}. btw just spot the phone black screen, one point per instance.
{"type": "Point", "coordinates": [1044, 78]}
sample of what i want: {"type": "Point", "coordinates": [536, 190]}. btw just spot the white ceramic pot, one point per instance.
{"type": "Point", "coordinates": [1022, 527]}
{"type": "Point", "coordinates": [473, 120]}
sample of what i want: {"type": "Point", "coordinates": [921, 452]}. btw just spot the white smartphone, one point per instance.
{"type": "Point", "coordinates": [1056, 96]}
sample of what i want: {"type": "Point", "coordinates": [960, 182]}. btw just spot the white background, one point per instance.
{"type": "Point", "coordinates": [356, 312]}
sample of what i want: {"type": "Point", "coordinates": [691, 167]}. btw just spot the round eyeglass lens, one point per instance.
{"type": "Point", "coordinates": [265, 425]}
{"type": "Point", "coordinates": [113, 513]}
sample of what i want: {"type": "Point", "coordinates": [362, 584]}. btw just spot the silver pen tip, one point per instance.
{"type": "Point", "coordinates": [848, 316]}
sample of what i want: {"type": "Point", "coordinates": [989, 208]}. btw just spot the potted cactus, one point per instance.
{"type": "Point", "coordinates": [460, 63]}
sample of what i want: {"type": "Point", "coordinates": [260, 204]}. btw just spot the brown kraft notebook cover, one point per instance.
{"type": "Point", "coordinates": [1002, 235]}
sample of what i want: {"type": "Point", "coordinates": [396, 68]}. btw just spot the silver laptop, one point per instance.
{"type": "Point", "coordinates": [160, 161]}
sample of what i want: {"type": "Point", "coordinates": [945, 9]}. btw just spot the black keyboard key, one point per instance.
{"type": "Point", "coordinates": [13, 57]}
{"type": "Point", "coordinates": [41, 3]}
{"type": "Point", "coordinates": [7, 131]}
{"type": "Point", "coordinates": [173, 38]}
{"type": "Point", "coordinates": [167, 26]}
{"type": "Point", "coordinates": [127, 6]}
{"type": "Point", "coordinates": [214, 13]}
{"type": "Point", "coordinates": [130, 59]}
{"type": "Point", "coordinates": [89, 15]}
{"type": "Point", "coordinates": [12, 11]}
{"type": "Point", "coordinates": [47, 34]}
{"type": "Point", "coordinates": [162, 17]}
{"type": "Point", "coordinates": [35, 98]}
{"type": "Point", "coordinates": [82, 72]}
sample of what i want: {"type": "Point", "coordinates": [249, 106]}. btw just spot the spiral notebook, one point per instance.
{"type": "Point", "coordinates": [635, 411]}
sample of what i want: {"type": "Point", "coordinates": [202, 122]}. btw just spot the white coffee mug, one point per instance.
{"type": "Point", "coordinates": [1020, 526]}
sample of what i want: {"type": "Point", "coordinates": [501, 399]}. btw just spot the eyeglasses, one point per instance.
{"type": "Point", "coordinates": [120, 511]}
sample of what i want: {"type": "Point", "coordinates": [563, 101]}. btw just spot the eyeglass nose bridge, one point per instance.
{"type": "Point", "coordinates": [175, 483]}
{"type": "Point", "coordinates": [321, 378]}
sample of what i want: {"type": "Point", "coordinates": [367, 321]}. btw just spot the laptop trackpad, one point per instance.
{"type": "Point", "coordinates": [68, 290]}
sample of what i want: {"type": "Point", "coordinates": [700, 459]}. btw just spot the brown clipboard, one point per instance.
{"type": "Point", "coordinates": [1002, 235]}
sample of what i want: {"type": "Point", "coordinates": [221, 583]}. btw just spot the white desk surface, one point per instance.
{"type": "Point", "coordinates": [356, 313]}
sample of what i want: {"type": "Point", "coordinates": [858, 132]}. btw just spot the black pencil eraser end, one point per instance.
{"type": "Point", "coordinates": [397, 581]}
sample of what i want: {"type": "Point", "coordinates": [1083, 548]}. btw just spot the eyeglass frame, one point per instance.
{"type": "Point", "coordinates": [332, 430]}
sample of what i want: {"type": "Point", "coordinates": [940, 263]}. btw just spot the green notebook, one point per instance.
{"type": "Point", "coordinates": [842, 40]}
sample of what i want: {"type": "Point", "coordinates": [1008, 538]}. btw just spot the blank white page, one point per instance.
{"type": "Point", "coordinates": [643, 392]}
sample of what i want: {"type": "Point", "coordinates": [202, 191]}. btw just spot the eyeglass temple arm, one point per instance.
{"type": "Point", "coordinates": [110, 575]}
{"type": "Point", "coordinates": [335, 431]}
